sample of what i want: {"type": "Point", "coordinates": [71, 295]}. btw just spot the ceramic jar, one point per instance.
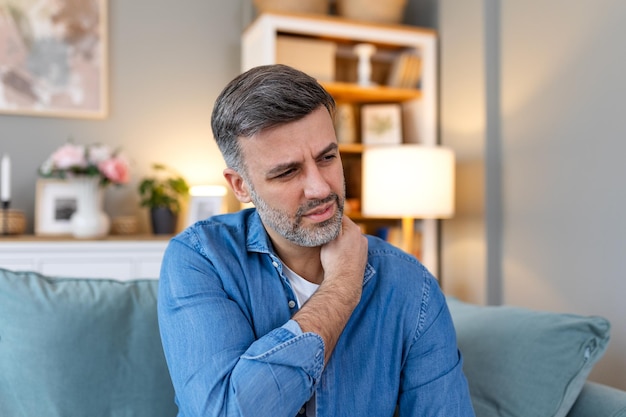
{"type": "Point", "coordinates": [89, 221]}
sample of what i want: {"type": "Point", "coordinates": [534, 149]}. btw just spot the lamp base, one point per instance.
{"type": "Point", "coordinates": [426, 250]}
{"type": "Point", "coordinates": [408, 234]}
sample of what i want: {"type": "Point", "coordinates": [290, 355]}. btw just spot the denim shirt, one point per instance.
{"type": "Point", "coordinates": [225, 308]}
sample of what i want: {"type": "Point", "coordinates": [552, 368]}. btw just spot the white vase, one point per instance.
{"type": "Point", "coordinates": [89, 221]}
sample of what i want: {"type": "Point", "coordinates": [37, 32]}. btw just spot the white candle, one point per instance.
{"type": "Point", "coordinates": [5, 178]}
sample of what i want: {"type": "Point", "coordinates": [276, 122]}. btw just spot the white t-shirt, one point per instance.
{"type": "Point", "coordinates": [301, 287]}
{"type": "Point", "coordinates": [303, 290]}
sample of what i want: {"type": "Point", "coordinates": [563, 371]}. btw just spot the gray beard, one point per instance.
{"type": "Point", "coordinates": [319, 235]}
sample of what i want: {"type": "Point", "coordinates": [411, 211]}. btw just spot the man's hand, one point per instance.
{"type": "Point", "coordinates": [329, 309]}
{"type": "Point", "coordinates": [344, 259]}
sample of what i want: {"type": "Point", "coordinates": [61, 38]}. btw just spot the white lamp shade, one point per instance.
{"type": "Point", "coordinates": [207, 190]}
{"type": "Point", "coordinates": [408, 180]}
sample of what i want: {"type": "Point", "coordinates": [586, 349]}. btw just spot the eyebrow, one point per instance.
{"type": "Point", "coordinates": [289, 165]}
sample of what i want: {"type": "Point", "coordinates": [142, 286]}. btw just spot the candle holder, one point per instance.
{"type": "Point", "coordinates": [12, 222]}
{"type": "Point", "coordinates": [5, 217]}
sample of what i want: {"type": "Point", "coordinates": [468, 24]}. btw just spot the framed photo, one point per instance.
{"type": "Point", "coordinates": [55, 202]}
{"type": "Point", "coordinates": [205, 201]}
{"type": "Point", "coordinates": [381, 124]}
{"type": "Point", "coordinates": [55, 62]}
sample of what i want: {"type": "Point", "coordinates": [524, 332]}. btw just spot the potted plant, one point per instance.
{"type": "Point", "coordinates": [163, 193]}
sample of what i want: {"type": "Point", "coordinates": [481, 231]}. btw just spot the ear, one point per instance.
{"type": "Point", "coordinates": [238, 185]}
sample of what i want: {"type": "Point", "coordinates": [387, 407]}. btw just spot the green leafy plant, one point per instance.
{"type": "Point", "coordinates": [165, 189]}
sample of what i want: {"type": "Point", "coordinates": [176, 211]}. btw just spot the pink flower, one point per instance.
{"type": "Point", "coordinates": [68, 156]}
{"type": "Point", "coordinates": [98, 160]}
{"type": "Point", "coordinates": [115, 170]}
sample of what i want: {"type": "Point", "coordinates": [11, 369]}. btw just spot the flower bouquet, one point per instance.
{"type": "Point", "coordinates": [72, 160]}
{"type": "Point", "coordinates": [89, 169]}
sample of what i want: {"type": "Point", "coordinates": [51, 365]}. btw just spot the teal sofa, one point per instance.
{"type": "Point", "coordinates": [89, 347]}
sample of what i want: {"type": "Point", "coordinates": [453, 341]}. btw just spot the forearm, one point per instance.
{"type": "Point", "coordinates": [327, 312]}
{"type": "Point", "coordinates": [329, 309]}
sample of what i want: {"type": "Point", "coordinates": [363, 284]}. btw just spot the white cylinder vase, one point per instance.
{"type": "Point", "coordinates": [89, 221]}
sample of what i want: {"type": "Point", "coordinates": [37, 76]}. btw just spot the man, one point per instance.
{"type": "Point", "coordinates": [287, 309]}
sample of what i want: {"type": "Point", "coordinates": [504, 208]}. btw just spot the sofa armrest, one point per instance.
{"type": "Point", "coordinates": [598, 400]}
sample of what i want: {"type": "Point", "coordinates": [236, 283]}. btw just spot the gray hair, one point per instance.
{"type": "Point", "coordinates": [261, 98]}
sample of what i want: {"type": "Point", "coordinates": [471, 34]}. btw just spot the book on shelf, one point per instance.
{"type": "Point", "coordinates": [406, 71]}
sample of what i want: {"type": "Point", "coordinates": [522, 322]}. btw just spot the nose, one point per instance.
{"type": "Point", "coordinates": [315, 186]}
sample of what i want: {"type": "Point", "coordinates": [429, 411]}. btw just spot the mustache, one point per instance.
{"type": "Point", "coordinates": [310, 205]}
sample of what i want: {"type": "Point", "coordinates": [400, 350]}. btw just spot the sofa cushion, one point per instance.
{"type": "Point", "coordinates": [81, 347]}
{"type": "Point", "coordinates": [526, 363]}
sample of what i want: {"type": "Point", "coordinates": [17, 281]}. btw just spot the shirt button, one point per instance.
{"type": "Point", "coordinates": [292, 304]}
{"type": "Point", "coordinates": [302, 411]}
{"type": "Point", "coordinates": [275, 264]}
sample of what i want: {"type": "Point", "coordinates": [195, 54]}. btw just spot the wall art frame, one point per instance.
{"type": "Point", "coordinates": [381, 124]}
{"type": "Point", "coordinates": [55, 63]}
{"type": "Point", "coordinates": [55, 202]}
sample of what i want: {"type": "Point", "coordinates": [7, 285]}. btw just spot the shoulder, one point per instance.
{"type": "Point", "coordinates": [235, 222]}
{"type": "Point", "coordinates": [217, 229]}
{"type": "Point", "coordinates": [398, 274]}
{"type": "Point", "coordinates": [385, 256]}
{"type": "Point", "coordinates": [222, 236]}
{"type": "Point", "coordinates": [206, 253]}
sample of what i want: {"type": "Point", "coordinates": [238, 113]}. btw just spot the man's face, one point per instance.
{"type": "Point", "coordinates": [295, 179]}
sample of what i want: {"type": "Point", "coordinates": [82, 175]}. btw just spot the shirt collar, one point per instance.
{"type": "Point", "coordinates": [258, 241]}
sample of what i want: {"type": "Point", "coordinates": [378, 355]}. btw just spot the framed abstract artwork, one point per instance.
{"type": "Point", "coordinates": [53, 58]}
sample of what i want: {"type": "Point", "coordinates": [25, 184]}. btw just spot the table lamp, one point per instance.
{"type": "Point", "coordinates": [410, 182]}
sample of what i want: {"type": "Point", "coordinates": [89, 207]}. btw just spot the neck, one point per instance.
{"type": "Point", "coordinates": [304, 261]}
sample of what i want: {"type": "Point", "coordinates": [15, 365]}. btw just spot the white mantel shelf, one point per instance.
{"type": "Point", "coordinates": [116, 257]}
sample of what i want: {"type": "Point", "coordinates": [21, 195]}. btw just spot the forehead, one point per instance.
{"type": "Point", "coordinates": [290, 142]}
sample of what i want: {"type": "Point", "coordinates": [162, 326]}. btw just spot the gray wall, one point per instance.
{"type": "Point", "coordinates": [532, 99]}
{"type": "Point", "coordinates": [168, 62]}
{"type": "Point", "coordinates": [563, 130]}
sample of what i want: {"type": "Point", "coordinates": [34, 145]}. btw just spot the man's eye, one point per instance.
{"type": "Point", "coordinates": [285, 174]}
